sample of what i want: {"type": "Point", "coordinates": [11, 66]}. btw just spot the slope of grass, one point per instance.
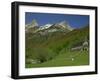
{"type": "Point", "coordinates": [80, 58]}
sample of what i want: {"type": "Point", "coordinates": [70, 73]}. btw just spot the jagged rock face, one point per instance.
{"type": "Point", "coordinates": [33, 27]}
{"type": "Point", "coordinates": [32, 24]}
{"type": "Point", "coordinates": [65, 25]}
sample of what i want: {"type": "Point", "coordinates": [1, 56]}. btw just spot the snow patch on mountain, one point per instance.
{"type": "Point", "coordinates": [45, 26]}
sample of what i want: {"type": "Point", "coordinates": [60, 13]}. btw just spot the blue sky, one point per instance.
{"type": "Point", "coordinates": [75, 21]}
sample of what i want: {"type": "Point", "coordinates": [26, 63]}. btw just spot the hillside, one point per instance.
{"type": "Point", "coordinates": [54, 48]}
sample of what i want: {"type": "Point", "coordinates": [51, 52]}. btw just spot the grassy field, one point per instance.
{"type": "Point", "coordinates": [53, 49]}
{"type": "Point", "coordinates": [79, 58]}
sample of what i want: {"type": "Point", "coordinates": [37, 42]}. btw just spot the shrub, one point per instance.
{"type": "Point", "coordinates": [43, 54]}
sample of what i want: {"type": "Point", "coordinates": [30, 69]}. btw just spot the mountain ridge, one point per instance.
{"type": "Point", "coordinates": [33, 27]}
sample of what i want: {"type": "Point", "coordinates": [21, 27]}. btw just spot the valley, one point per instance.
{"type": "Point", "coordinates": [51, 45]}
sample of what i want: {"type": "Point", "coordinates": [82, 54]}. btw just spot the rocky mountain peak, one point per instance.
{"type": "Point", "coordinates": [32, 24]}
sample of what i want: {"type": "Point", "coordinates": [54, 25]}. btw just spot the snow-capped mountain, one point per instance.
{"type": "Point", "coordinates": [62, 26]}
